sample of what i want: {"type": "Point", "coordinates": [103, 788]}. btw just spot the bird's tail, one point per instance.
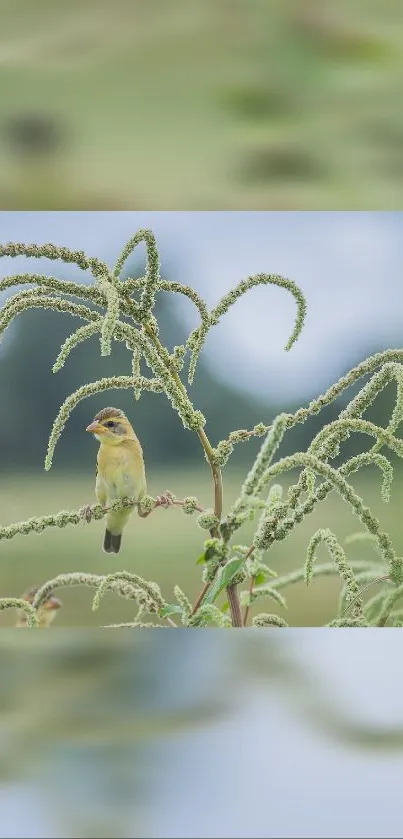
{"type": "Point", "coordinates": [112, 542]}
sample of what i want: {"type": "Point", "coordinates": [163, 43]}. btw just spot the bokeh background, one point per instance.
{"type": "Point", "coordinates": [297, 733]}
{"type": "Point", "coordinates": [349, 267]}
{"type": "Point", "coordinates": [192, 104]}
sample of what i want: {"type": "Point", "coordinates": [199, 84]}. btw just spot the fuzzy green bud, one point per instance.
{"type": "Point", "coordinates": [239, 577]}
{"type": "Point", "coordinates": [208, 613]}
{"type": "Point", "coordinates": [208, 520]}
{"type": "Point", "coordinates": [210, 569]}
{"type": "Point", "coordinates": [222, 452]}
{"type": "Point", "coordinates": [190, 505]}
{"type": "Point", "coordinates": [147, 504]}
{"type": "Point", "coordinates": [265, 534]}
{"type": "Point", "coordinates": [268, 620]}
{"type": "Point", "coordinates": [178, 357]}
{"type": "Point", "coordinates": [239, 436]}
{"type": "Point", "coordinates": [260, 429]}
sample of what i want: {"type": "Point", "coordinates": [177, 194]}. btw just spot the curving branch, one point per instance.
{"type": "Point", "coordinates": [55, 252]}
{"type": "Point", "coordinates": [366, 396]}
{"type": "Point", "coordinates": [108, 383]}
{"type": "Point", "coordinates": [152, 278]}
{"type": "Point", "coordinates": [339, 558]}
{"type": "Point", "coordinates": [265, 536]}
{"type": "Point", "coordinates": [35, 299]}
{"type": "Point", "coordinates": [340, 430]}
{"type": "Point", "coordinates": [24, 606]}
{"type": "Point", "coordinates": [197, 337]}
{"type": "Point", "coordinates": [77, 337]}
{"type": "Point", "coordinates": [298, 511]}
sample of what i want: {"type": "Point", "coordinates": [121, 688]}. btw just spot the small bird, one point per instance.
{"type": "Point", "coordinates": [46, 612]}
{"type": "Point", "coordinates": [120, 470]}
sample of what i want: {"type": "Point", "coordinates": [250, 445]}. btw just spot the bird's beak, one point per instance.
{"type": "Point", "coordinates": [94, 428]}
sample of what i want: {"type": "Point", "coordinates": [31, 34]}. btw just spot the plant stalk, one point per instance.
{"type": "Point", "coordinates": [247, 608]}
{"type": "Point", "coordinates": [235, 606]}
{"type": "Point", "coordinates": [232, 591]}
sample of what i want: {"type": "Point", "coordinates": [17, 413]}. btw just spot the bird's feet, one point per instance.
{"type": "Point", "coordinates": [85, 512]}
{"type": "Point", "coordinates": [165, 500]}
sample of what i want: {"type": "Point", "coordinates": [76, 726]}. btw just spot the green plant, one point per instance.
{"type": "Point", "coordinates": [238, 571]}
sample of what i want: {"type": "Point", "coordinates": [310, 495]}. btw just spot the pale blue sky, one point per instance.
{"type": "Point", "coordinates": [349, 266]}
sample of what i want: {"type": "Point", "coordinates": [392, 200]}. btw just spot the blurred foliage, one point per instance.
{"type": "Point", "coordinates": [97, 738]}
{"type": "Point", "coordinates": [289, 104]}
{"type": "Point", "coordinates": [86, 723]}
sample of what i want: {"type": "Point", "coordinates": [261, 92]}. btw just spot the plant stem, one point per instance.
{"type": "Point", "coordinates": [235, 605]}
{"type": "Point", "coordinates": [232, 591]}
{"type": "Point", "coordinates": [246, 615]}
{"type": "Point", "coordinates": [201, 597]}
{"type": "Point", "coordinates": [171, 622]}
{"type": "Point", "coordinates": [216, 473]}
{"type": "Point", "coordinates": [215, 469]}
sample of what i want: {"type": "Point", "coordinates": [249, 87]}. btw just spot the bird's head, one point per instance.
{"type": "Point", "coordinates": [111, 427]}
{"type": "Point", "coordinates": [47, 610]}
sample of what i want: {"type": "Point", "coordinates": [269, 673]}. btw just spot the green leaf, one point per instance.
{"type": "Point", "coordinates": [225, 606]}
{"type": "Point", "coordinates": [206, 555]}
{"type": "Point", "coordinates": [170, 609]}
{"type": "Point", "coordinates": [260, 578]}
{"type": "Point", "coordinates": [224, 578]}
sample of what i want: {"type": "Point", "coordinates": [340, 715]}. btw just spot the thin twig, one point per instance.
{"type": "Point", "coordinates": [171, 622]}
{"type": "Point", "coordinates": [372, 583]}
{"type": "Point", "coordinates": [248, 605]}
{"type": "Point", "coordinates": [201, 597]}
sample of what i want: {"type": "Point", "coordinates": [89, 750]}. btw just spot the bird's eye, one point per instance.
{"type": "Point", "coordinates": [110, 424]}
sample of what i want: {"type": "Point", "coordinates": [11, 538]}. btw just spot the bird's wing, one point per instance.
{"type": "Point", "coordinates": [100, 488]}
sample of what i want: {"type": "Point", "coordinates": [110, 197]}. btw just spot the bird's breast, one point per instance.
{"type": "Point", "coordinates": [122, 473]}
{"type": "Point", "coordinates": [124, 483]}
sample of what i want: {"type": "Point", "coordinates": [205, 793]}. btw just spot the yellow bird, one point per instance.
{"type": "Point", "coordinates": [46, 612]}
{"type": "Point", "coordinates": [120, 470]}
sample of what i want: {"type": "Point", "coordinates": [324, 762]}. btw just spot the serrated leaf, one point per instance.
{"type": "Point", "coordinates": [224, 578]}
{"type": "Point", "coordinates": [170, 609]}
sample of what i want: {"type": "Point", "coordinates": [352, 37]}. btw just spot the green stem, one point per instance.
{"type": "Point", "coordinates": [232, 591]}
{"type": "Point", "coordinates": [247, 608]}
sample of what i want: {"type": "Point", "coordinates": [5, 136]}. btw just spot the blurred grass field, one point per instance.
{"type": "Point", "coordinates": [202, 105]}
{"type": "Point", "coordinates": [165, 546]}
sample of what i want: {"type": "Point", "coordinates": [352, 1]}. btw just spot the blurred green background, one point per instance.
{"type": "Point", "coordinates": [200, 104]}
{"type": "Point", "coordinates": [165, 546]}
{"type": "Point", "coordinates": [121, 735]}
